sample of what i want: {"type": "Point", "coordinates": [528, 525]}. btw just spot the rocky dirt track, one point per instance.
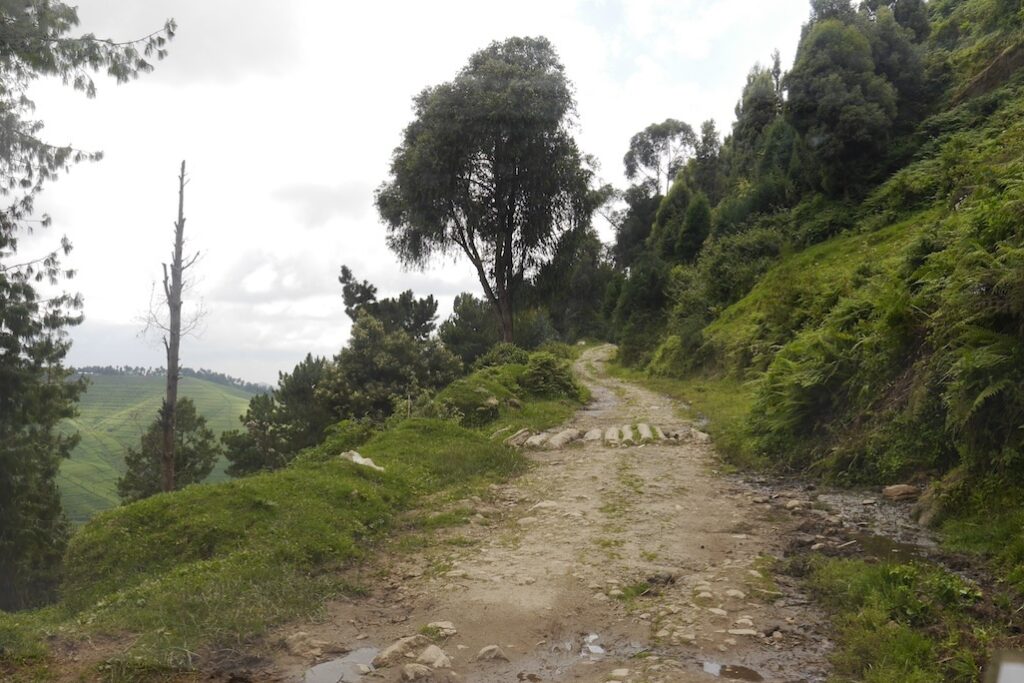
{"type": "Point", "coordinates": [604, 563]}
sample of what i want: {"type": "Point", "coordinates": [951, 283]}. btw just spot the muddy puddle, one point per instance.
{"type": "Point", "coordinates": [731, 672]}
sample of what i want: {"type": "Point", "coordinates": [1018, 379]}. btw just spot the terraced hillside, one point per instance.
{"type": "Point", "coordinates": [113, 414]}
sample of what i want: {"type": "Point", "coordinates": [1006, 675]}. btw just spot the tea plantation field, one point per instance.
{"type": "Point", "coordinates": [113, 414]}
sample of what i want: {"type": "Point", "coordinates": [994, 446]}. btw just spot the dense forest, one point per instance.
{"type": "Point", "coordinates": [836, 282]}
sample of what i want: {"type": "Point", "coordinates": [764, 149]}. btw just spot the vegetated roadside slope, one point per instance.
{"type": "Point", "coordinates": [113, 414]}
{"type": "Point", "coordinates": [893, 348]}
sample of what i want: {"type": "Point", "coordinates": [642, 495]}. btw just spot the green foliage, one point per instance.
{"type": "Point", "coordinates": [843, 109]}
{"type": "Point", "coordinates": [503, 353]}
{"type": "Point", "coordinates": [633, 223]}
{"type": "Point", "coordinates": [549, 376]}
{"type": "Point", "coordinates": [471, 329]}
{"type": "Point", "coordinates": [417, 317]}
{"type": "Point", "coordinates": [278, 425]}
{"type": "Point", "coordinates": [639, 314]}
{"type": "Point", "coordinates": [670, 219]}
{"type": "Point", "coordinates": [659, 151]}
{"type": "Point", "coordinates": [195, 453]}
{"type": "Point", "coordinates": [504, 206]}
{"type": "Point", "coordinates": [570, 287]}
{"type": "Point", "coordinates": [477, 398]}
{"type": "Point", "coordinates": [379, 366]}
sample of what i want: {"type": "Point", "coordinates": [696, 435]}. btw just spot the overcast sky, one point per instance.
{"type": "Point", "coordinates": [287, 113]}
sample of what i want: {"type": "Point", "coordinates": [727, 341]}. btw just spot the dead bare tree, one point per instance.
{"type": "Point", "coordinates": [172, 329]}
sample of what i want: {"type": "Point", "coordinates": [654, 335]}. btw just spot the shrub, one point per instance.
{"type": "Point", "coordinates": [548, 376]}
{"type": "Point", "coordinates": [502, 353]}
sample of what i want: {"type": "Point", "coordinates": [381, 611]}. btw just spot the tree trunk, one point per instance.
{"type": "Point", "coordinates": [172, 342]}
{"type": "Point", "coordinates": [505, 317]}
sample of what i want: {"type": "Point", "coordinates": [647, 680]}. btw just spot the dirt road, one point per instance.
{"type": "Point", "coordinates": [635, 563]}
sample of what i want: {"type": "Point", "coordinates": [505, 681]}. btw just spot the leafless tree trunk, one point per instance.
{"type": "Point", "coordinates": [173, 284]}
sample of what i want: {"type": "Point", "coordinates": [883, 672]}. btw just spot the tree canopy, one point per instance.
{"type": "Point", "coordinates": [488, 169]}
{"type": "Point", "coordinates": [659, 151]}
{"type": "Point", "coordinates": [418, 317]}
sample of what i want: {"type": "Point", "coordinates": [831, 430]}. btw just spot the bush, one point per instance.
{"type": "Point", "coordinates": [344, 436]}
{"type": "Point", "coordinates": [502, 353]}
{"type": "Point", "coordinates": [548, 376]}
{"type": "Point", "coordinates": [475, 400]}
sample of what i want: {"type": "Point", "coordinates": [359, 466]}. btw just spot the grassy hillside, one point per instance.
{"type": "Point", "coordinates": [214, 565]}
{"type": "Point", "coordinates": [113, 414]}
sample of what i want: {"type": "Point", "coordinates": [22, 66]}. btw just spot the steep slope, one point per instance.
{"type": "Point", "coordinates": [113, 413]}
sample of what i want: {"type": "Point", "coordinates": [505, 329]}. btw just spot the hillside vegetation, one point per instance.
{"type": "Point", "coordinates": [112, 415]}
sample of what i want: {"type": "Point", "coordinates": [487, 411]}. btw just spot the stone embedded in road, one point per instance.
{"type": "Point", "coordinates": [398, 649]}
{"type": "Point", "coordinates": [659, 433]}
{"type": "Point", "coordinates": [593, 435]}
{"type": "Point", "coordinates": [717, 611]}
{"type": "Point", "coordinates": [898, 492]}
{"type": "Point", "coordinates": [742, 632]}
{"type": "Point", "coordinates": [645, 432]}
{"type": "Point", "coordinates": [434, 657]}
{"type": "Point", "coordinates": [733, 593]}
{"type": "Point", "coordinates": [563, 438]}
{"type": "Point", "coordinates": [699, 436]}
{"type": "Point", "coordinates": [416, 672]}
{"type": "Point", "coordinates": [519, 438]}
{"type": "Point", "coordinates": [627, 435]}
{"type": "Point", "coordinates": [537, 440]}
{"type": "Point", "coordinates": [611, 436]}
{"type": "Point", "coordinates": [490, 653]}
{"type": "Point", "coordinates": [619, 674]}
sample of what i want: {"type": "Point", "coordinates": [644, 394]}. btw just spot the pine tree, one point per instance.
{"type": "Point", "coordinates": [195, 454]}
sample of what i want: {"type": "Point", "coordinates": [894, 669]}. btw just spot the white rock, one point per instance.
{"type": "Point", "coordinates": [699, 436]}
{"type": "Point", "coordinates": [537, 440]}
{"type": "Point", "coordinates": [416, 672]}
{"type": "Point", "coordinates": [611, 436]}
{"type": "Point", "coordinates": [563, 438]}
{"type": "Point", "coordinates": [398, 649]}
{"type": "Point", "coordinates": [733, 593]}
{"type": "Point", "coordinates": [489, 653]}
{"type": "Point", "coordinates": [593, 435]}
{"type": "Point", "coordinates": [434, 657]}
{"type": "Point", "coordinates": [742, 632]}
{"type": "Point", "coordinates": [519, 438]}
{"type": "Point", "coordinates": [354, 457]}
{"type": "Point", "coordinates": [718, 611]}
{"type": "Point", "coordinates": [660, 434]}
{"type": "Point", "coordinates": [619, 674]}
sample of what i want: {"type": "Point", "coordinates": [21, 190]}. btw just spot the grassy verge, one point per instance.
{"type": "Point", "coordinates": [213, 566]}
{"type": "Point", "coordinates": [909, 622]}
{"type": "Point", "coordinates": [724, 402]}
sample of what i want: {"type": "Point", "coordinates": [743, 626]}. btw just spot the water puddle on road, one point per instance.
{"type": "Point", "coordinates": [348, 669]}
{"type": "Point", "coordinates": [731, 672]}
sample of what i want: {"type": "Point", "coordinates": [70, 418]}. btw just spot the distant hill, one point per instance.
{"type": "Point", "coordinates": [114, 412]}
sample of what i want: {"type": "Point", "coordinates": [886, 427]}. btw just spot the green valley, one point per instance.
{"type": "Point", "coordinates": [113, 413]}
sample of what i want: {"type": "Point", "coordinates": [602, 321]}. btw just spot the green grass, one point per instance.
{"type": "Point", "coordinates": [215, 565]}
{"type": "Point", "coordinates": [113, 414]}
{"type": "Point", "coordinates": [903, 622]}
